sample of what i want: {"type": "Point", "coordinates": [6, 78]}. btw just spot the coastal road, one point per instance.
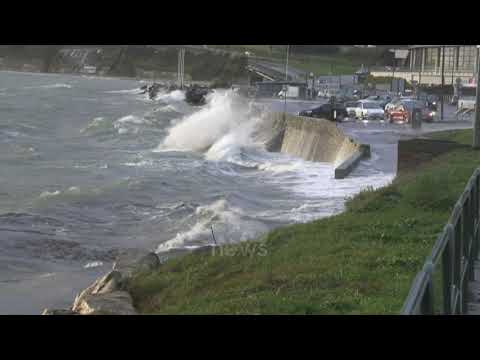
{"type": "Point", "coordinates": [382, 136]}
{"type": "Point", "coordinates": [296, 74]}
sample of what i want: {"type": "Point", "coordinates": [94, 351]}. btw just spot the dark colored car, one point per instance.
{"type": "Point", "coordinates": [382, 100]}
{"type": "Point", "coordinates": [332, 112]}
{"type": "Point", "coordinates": [431, 100]}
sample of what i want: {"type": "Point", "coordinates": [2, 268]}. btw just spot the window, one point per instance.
{"type": "Point", "coordinates": [431, 57]}
{"type": "Point", "coordinates": [450, 58]}
{"type": "Point", "coordinates": [418, 59]}
{"type": "Point", "coordinates": [466, 58]}
{"type": "Point", "coordinates": [370, 105]}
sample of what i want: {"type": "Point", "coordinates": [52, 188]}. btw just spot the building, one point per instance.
{"type": "Point", "coordinates": [423, 64]}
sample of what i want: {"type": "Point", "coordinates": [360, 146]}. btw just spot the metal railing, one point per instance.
{"type": "Point", "coordinates": [441, 287]}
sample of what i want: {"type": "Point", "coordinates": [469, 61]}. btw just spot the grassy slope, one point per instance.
{"type": "Point", "coordinates": [359, 262]}
{"type": "Point", "coordinates": [335, 64]}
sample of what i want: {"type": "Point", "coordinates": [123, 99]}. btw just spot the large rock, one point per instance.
{"type": "Point", "coordinates": [135, 261]}
{"type": "Point", "coordinates": [113, 303]}
{"type": "Point", "coordinates": [108, 295]}
{"type": "Point", "coordinates": [58, 312]}
{"type": "Point", "coordinates": [196, 95]}
{"type": "Point", "coordinates": [113, 281]}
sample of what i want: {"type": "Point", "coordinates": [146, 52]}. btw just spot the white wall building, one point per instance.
{"type": "Point", "coordinates": [424, 64]}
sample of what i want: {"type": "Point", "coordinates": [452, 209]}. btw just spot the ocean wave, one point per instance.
{"type": "Point", "coordinates": [97, 126]}
{"type": "Point", "coordinates": [174, 96]}
{"type": "Point", "coordinates": [125, 125]}
{"type": "Point", "coordinates": [132, 119]}
{"type": "Point", "coordinates": [127, 91]}
{"type": "Point", "coordinates": [93, 264]}
{"type": "Point", "coordinates": [230, 224]}
{"type": "Point", "coordinates": [50, 86]}
{"type": "Point", "coordinates": [229, 126]}
{"type": "Point", "coordinates": [167, 108]}
{"type": "Point", "coordinates": [72, 194]}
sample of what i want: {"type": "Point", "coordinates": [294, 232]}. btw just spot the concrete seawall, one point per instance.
{"type": "Point", "coordinates": [316, 140]}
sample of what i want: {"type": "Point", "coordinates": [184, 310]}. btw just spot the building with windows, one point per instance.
{"type": "Point", "coordinates": [424, 64]}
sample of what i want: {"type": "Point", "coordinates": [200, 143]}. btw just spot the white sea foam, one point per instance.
{"type": "Point", "coordinates": [93, 264]}
{"type": "Point", "coordinates": [50, 86]}
{"type": "Point", "coordinates": [47, 194]}
{"type": "Point", "coordinates": [132, 119]}
{"type": "Point", "coordinates": [174, 96]}
{"type": "Point", "coordinates": [229, 222]}
{"type": "Point", "coordinates": [127, 91]}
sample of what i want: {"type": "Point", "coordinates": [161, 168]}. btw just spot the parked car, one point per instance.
{"type": "Point", "coordinates": [351, 107]}
{"type": "Point", "coordinates": [382, 100]}
{"type": "Point", "coordinates": [332, 112]}
{"type": "Point", "coordinates": [392, 104]}
{"type": "Point", "coordinates": [431, 100]}
{"type": "Point", "coordinates": [369, 110]}
{"type": "Point", "coordinates": [402, 111]}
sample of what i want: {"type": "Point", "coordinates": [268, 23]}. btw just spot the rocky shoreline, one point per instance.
{"type": "Point", "coordinates": [108, 295]}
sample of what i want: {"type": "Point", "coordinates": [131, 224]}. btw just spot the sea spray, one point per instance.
{"type": "Point", "coordinates": [174, 96]}
{"type": "Point", "coordinates": [200, 130]}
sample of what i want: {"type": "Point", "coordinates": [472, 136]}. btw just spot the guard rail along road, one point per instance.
{"type": "Point", "coordinates": [449, 281]}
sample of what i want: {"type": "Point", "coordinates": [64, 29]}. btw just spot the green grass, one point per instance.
{"type": "Point", "coordinates": [359, 262]}
{"type": "Point", "coordinates": [460, 136]}
{"type": "Point", "coordinates": [325, 65]}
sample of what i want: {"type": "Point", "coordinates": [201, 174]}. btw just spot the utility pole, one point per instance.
{"type": "Point", "coordinates": [476, 126]}
{"type": "Point", "coordinates": [393, 72]}
{"type": "Point", "coordinates": [286, 86]}
{"type": "Point", "coordinates": [443, 81]}
{"type": "Point", "coordinates": [181, 69]}
{"type": "Point", "coordinates": [286, 63]}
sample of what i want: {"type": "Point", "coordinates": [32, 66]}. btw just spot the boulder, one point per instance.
{"type": "Point", "coordinates": [112, 281]}
{"type": "Point", "coordinates": [108, 283]}
{"type": "Point", "coordinates": [112, 303]}
{"type": "Point", "coordinates": [196, 95]}
{"type": "Point", "coordinates": [108, 295]}
{"type": "Point", "coordinates": [136, 261]}
{"type": "Point", "coordinates": [58, 312]}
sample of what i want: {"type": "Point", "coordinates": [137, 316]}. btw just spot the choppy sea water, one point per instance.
{"type": "Point", "coordinates": [89, 166]}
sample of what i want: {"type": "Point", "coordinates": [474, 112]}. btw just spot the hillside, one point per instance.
{"type": "Point", "coordinates": [127, 61]}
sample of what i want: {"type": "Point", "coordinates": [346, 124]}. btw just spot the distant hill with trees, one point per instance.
{"type": "Point", "coordinates": [123, 60]}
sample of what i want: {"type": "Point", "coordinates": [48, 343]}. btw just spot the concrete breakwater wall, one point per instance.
{"type": "Point", "coordinates": [317, 140]}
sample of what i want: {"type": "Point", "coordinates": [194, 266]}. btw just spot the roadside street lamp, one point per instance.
{"type": "Point", "coordinates": [286, 86]}
{"type": "Point", "coordinates": [476, 125]}
{"type": "Point", "coordinates": [443, 81]}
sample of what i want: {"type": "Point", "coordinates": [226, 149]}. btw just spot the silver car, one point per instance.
{"type": "Point", "coordinates": [351, 108]}
{"type": "Point", "coordinates": [369, 110]}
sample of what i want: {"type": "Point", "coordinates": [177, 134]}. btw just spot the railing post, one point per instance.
{"type": "Point", "coordinates": [447, 269]}
{"type": "Point", "coordinates": [476, 223]}
{"type": "Point", "coordinates": [427, 305]}
{"type": "Point", "coordinates": [457, 262]}
{"type": "Point", "coordinates": [471, 234]}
